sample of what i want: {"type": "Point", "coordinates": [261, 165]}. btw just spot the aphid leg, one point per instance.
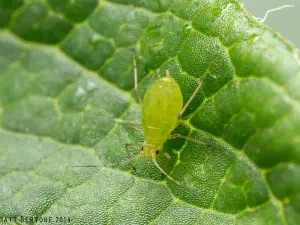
{"type": "Point", "coordinates": [158, 166]}
{"type": "Point", "coordinates": [173, 136]}
{"type": "Point", "coordinates": [127, 146]}
{"type": "Point", "coordinates": [136, 79]}
{"type": "Point", "coordinates": [125, 161]}
{"type": "Point", "coordinates": [127, 150]}
{"type": "Point", "coordinates": [167, 155]}
{"type": "Point", "coordinates": [131, 124]}
{"type": "Point", "coordinates": [135, 126]}
{"type": "Point", "coordinates": [192, 97]}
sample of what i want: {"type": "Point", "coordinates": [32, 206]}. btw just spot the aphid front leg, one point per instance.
{"type": "Point", "coordinates": [136, 79]}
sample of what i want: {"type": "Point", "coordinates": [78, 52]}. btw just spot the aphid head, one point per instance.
{"type": "Point", "coordinates": [149, 150]}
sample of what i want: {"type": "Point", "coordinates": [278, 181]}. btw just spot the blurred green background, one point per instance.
{"type": "Point", "coordinates": [286, 21]}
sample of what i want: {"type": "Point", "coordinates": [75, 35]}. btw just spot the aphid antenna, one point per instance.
{"type": "Point", "coordinates": [164, 172]}
{"type": "Point", "coordinates": [168, 176]}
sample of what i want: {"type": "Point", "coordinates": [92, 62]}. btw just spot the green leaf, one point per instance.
{"type": "Point", "coordinates": [66, 74]}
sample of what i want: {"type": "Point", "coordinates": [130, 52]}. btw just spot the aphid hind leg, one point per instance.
{"type": "Point", "coordinates": [130, 124]}
{"type": "Point", "coordinates": [134, 126]}
{"type": "Point", "coordinates": [136, 79]}
{"type": "Point", "coordinates": [167, 155]}
{"type": "Point", "coordinates": [173, 136]}
{"type": "Point", "coordinates": [192, 96]}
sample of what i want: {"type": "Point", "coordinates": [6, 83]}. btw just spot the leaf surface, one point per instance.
{"type": "Point", "coordinates": [66, 75]}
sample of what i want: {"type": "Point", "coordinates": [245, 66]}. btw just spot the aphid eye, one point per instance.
{"type": "Point", "coordinates": [157, 151]}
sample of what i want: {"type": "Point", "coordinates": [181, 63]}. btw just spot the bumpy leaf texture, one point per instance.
{"type": "Point", "coordinates": [66, 74]}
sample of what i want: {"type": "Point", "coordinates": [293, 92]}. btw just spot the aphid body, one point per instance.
{"type": "Point", "coordinates": [161, 107]}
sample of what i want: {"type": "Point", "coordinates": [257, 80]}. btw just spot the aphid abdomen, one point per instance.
{"type": "Point", "coordinates": [161, 105]}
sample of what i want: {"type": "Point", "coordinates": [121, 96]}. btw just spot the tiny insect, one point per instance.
{"type": "Point", "coordinates": [162, 109]}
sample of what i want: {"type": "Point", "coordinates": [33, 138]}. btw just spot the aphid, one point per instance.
{"type": "Point", "coordinates": [162, 108]}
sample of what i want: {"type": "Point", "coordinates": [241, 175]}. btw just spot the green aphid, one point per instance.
{"type": "Point", "coordinates": [162, 108]}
